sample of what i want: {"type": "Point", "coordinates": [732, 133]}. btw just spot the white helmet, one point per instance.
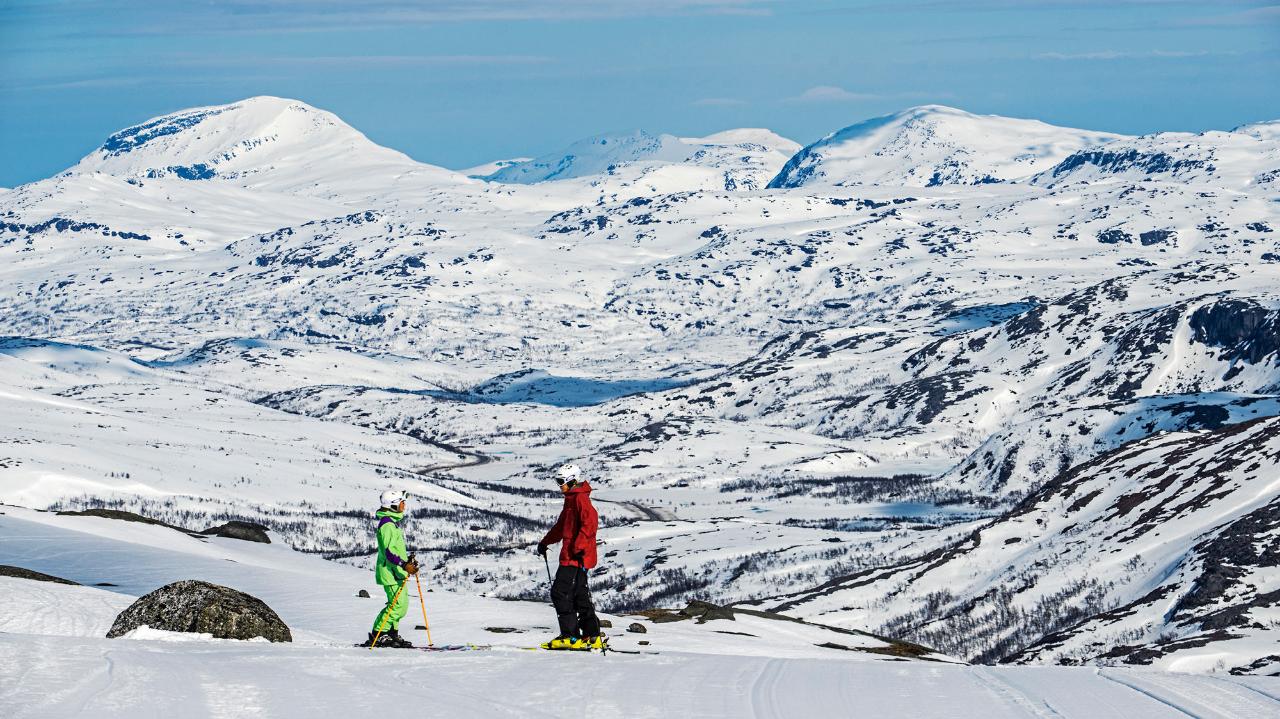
{"type": "Point", "coordinates": [567, 473]}
{"type": "Point", "coordinates": [393, 497]}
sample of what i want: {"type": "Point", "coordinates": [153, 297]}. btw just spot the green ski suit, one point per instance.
{"type": "Point", "coordinates": [389, 570]}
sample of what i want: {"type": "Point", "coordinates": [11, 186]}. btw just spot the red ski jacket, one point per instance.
{"type": "Point", "coordinates": [576, 527]}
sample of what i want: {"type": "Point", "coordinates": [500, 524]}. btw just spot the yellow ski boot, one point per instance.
{"type": "Point", "coordinates": [566, 643]}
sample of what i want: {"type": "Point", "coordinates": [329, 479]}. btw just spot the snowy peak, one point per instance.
{"type": "Point", "coordinates": [594, 156]}
{"type": "Point", "coordinates": [749, 136]}
{"type": "Point", "coordinates": [934, 145]}
{"type": "Point", "coordinates": [1269, 130]}
{"type": "Point", "coordinates": [249, 141]}
{"type": "Point", "coordinates": [1249, 155]}
{"type": "Point", "coordinates": [483, 170]}
{"type": "Point", "coordinates": [733, 159]}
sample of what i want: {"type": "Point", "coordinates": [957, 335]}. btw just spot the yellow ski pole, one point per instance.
{"type": "Point", "coordinates": [386, 613]}
{"type": "Point", "coordinates": [421, 600]}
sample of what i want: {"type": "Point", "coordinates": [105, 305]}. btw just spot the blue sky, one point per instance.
{"type": "Point", "coordinates": [459, 82]}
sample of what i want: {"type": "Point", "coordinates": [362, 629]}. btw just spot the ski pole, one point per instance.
{"type": "Point", "coordinates": [422, 601]}
{"type": "Point", "coordinates": [386, 613]}
{"type": "Point", "coordinates": [547, 564]}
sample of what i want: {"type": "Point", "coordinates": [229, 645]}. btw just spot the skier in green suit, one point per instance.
{"type": "Point", "coordinates": [393, 568]}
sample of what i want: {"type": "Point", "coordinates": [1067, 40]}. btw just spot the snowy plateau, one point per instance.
{"type": "Point", "coordinates": [958, 416]}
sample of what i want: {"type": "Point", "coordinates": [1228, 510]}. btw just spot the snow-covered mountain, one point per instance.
{"type": "Point", "coordinates": [262, 143]}
{"type": "Point", "coordinates": [734, 159]}
{"type": "Point", "coordinates": [213, 174]}
{"type": "Point", "coordinates": [1246, 157]}
{"type": "Point", "coordinates": [803, 395]}
{"type": "Point", "coordinates": [483, 170]}
{"type": "Point", "coordinates": [1165, 544]}
{"type": "Point", "coordinates": [934, 145]}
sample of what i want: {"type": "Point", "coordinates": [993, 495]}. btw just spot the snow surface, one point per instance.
{"type": "Point", "coordinates": [254, 143]}
{"type": "Point", "coordinates": [775, 672]}
{"type": "Point", "coordinates": [776, 392]}
{"type": "Point", "coordinates": [488, 168]}
{"type": "Point", "coordinates": [934, 145]}
{"type": "Point", "coordinates": [734, 159]}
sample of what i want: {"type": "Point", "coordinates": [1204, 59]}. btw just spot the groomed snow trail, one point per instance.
{"type": "Point", "coordinates": [1197, 695]}
{"type": "Point", "coordinates": [84, 677]}
{"type": "Point", "coordinates": [55, 662]}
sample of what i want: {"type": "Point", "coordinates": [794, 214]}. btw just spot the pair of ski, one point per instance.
{"type": "Point", "coordinates": [490, 647]}
{"type": "Point", "coordinates": [439, 648]}
{"type": "Point", "coordinates": [487, 647]}
{"type": "Point", "coordinates": [606, 649]}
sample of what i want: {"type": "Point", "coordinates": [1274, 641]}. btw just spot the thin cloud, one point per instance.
{"type": "Point", "coordinates": [1255, 16]}
{"type": "Point", "coordinates": [362, 60]}
{"type": "Point", "coordinates": [225, 62]}
{"type": "Point", "coordinates": [417, 60]}
{"type": "Point", "coordinates": [1104, 55]}
{"type": "Point", "coordinates": [719, 102]}
{"type": "Point", "coordinates": [831, 93]}
{"type": "Point", "coordinates": [307, 16]}
{"type": "Point", "coordinates": [80, 84]}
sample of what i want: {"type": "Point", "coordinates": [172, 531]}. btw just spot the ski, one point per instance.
{"type": "Point", "coordinates": [439, 648]}
{"type": "Point", "coordinates": [604, 650]}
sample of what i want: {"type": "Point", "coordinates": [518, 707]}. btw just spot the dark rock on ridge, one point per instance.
{"type": "Point", "coordinates": [235, 529]}
{"type": "Point", "coordinates": [20, 573]}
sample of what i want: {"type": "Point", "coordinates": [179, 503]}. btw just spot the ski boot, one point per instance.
{"type": "Point", "coordinates": [397, 641]}
{"type": "Point", "coordinates": [599, 642]}
{"type": "Point", "coordinates": [563, 643]}
{"type": "Point", "coordinates": [383, 641]}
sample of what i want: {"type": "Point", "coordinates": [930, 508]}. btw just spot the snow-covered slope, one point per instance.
{"type": "Point", "coordinates": [262, 142]}
{"type": "Point", "coordinates": [771, 389]}
{"type": "Point", "coordinates": [209, 175]}
{"type": "Point", "coordinates": [488, 168]}
{"type": "Point", "coordinates": [747, 665]}
{"type": "Point", "coordinates": [934, 145]}
{"type": "Point", "coordinates": [1162, 551]}
{"type": "Point", "coordinates": [735, 159]}
{"type": "Point", "coordinates": [1249, 157]}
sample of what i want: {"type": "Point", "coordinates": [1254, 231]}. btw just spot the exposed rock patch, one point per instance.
{"type": "Point", "coordinates": [120, 514]}
{"type": "Point", "coordinates": [202, 607]}
{"type": "Point", "coordinates": [20, 573]}
{"type": "Point", "coordinates": [247, 531]}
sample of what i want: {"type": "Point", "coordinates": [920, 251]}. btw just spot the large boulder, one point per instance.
{"type": "Point", "coordinates": [235, 529]}
{"type": "Point", "coordinates": [195, 606]}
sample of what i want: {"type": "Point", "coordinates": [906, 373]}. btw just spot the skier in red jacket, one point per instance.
{"type": "Point", "coordinates": [576, 532]}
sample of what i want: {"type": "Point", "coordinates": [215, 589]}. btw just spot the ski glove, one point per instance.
{"type": "Point", "coordinates": [411, 566]}
{"type": "Point", "coordinates": [542, 549]}
{"type": "Point", "coordinates": [579, 556]}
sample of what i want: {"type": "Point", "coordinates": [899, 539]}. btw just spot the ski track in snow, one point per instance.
{"type": "Point", "coordinates": [106, 678]}
{"type": "Point", "coordinates": [1199, 696]}
{"type": "Point", "coordinates": [1040, 709]}
{"type": "Point", "coordinates": [67, 669]}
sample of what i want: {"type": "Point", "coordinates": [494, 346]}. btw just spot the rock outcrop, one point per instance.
{"type": "Point", "coordinates": [20, 573]}
{"type": "Point", "coordinates": [235, 529]}
{"type": "Point", "coordinates": [201, 607]}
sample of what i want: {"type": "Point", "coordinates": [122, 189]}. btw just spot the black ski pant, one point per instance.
{"type": "Point", "coordinates": [572, 600]}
